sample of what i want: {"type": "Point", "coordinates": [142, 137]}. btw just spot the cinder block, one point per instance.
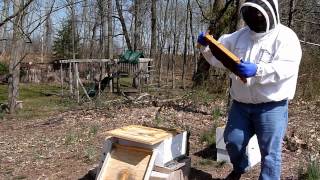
{"type": "Point", "coordinates": [222, 155]}
{"type": "Point", "coordinates": [177, 170]}
{"type": "Point", "coordinates": [219, 138]}
{"type": "Point", "coordinates": [252, 150]}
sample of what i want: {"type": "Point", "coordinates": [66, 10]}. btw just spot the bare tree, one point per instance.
{"type": "Point", "coordinates": [153, 28]}
{"type": "Point", "coordinates": [163, 40]}
{"type": "Point", "coordinates": [185, 46]}
{"type": "Point", "coordinates": [137, 25]}
{"type": "Point", "coordinates": [17, 53]}
{"type": "Point", "coordinates": [110, 33]}
{"type": "Point", "coordinates": [3, 29]}
{"type": "Point", "coordinates": [94, 31]}
{"type": "Point", "coordinates": [123, 24]}
{"type": "Point", "coordinates": [48, 30]}
{"type": "Point", "coordinates": [193, 41]}
{"type": "Point", "coordinates": [174, 45]}
{"type": "Point", "coordinates": [86, 27]}
{"type": "Point", "coordinates": [240, 22]}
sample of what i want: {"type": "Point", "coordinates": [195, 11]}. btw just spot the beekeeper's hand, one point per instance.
{"type": "Point", "coordinates": [246, 69]}
{"type": "Point", "coordinates": [202, 39]}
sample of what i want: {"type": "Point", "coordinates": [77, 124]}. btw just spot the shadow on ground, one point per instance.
{"type": "Point", "coordinates": [196, 174]}
{"type": "Point", "coordinates": [91, 175]}
{"type": "Point", "coordinates": [208, 153]}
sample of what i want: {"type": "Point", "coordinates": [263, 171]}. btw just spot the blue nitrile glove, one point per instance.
{"type": "Point", "coordinates": [201, 39]}
{"type": "Point", "coordinates": [246, 69]}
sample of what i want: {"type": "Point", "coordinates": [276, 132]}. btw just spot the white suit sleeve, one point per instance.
{"type": "Point", "coordinates": [284, 65]}
{"type": "Point", "coordinates": [206, 52]}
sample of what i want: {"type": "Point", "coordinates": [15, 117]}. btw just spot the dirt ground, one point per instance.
{"type": "Point", "coordinates": [68, 144]}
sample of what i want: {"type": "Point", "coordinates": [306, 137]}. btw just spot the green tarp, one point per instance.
{"type": "Point", "coordinates": [131, 57]}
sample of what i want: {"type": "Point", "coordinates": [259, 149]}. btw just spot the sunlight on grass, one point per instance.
{"type": "Point", "coordinates": [209, 136]}
{"type": "Point", "coordinates": [38, 100]}
{"type": "Point", "coordinates": [312, 172]}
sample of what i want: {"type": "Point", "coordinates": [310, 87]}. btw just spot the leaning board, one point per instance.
{"type": "Point", "coordinates": [141, 134]}
{"type": "Point", "coordinates": [127, 163]}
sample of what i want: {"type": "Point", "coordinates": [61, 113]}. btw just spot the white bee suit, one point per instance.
{"type": "Point", "coordinates": [277, 53]}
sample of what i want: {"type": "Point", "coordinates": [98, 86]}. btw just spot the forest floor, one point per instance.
{"type": "Point", "coordinates": [66, 144]}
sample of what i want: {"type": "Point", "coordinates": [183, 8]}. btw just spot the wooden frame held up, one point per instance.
{"type": "Point", "coordinates": [226, 57]}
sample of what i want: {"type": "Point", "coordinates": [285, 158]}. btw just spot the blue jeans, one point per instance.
{"type": "Point", "coordinates": [269, 122]}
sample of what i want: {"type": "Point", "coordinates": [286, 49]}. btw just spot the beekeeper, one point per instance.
{"type": "Point", "coordinates": [271, 55]}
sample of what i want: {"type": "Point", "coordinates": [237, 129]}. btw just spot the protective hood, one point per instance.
{"type": "Point", "coordinates": [260, 15]}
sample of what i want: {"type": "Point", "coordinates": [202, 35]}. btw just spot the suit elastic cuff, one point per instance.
{"type": "Point", "coordinates": [259, 72]}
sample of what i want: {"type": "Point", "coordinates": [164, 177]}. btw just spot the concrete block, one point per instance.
{"type": "Point", "coordinates": [252, 149]}
{"type": "Point", "coordinates": [177, 170]}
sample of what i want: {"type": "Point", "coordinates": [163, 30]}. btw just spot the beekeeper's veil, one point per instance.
{"type": "Point", "coordinates": [261, 15]}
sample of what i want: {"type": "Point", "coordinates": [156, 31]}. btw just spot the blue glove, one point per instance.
{"type": "Point", "coordinates": [201, 39]}
{"type": "Point", "coordinates": [247, 69]}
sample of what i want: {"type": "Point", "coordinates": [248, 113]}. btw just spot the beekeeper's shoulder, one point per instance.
{"type": "Point", "coordinates": [286, 34]}
{"type": "Point", "coordinates": [228, 38]}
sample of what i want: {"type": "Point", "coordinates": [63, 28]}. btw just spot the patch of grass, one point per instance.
{"type": "Point", "coordinates": [216, 113]}
{"type": "Point", "coordinates": [220, 164]}
{"type": "Point", "coordinates": [125, 81]}
{"type": "Point", "coordinates": [38, 100]}
{"type": "Point", "coordinates": [312, 172]}
{"type": "Point", "coordinates": [93, 130]}
{"type": "Point", "coordinates": [158, 120]}
{"type": "Point", "coordinates": [71, 138]}
{"type": "Point", "coordinates": [3, 93]}
{"type": "Point", "coordinates": [200, 95]}
{"type": "Point", "coordinates": [209, 137]}
{"type": "Point", "coordinates": [206, 162]}
{"type": "Point", "coordinates": [90, 153]}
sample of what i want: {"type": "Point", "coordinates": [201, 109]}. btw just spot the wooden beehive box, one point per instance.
{"type": "Point", "coordinates": [162, 145]}
{"type": "Point", "coordinates": [127, 163]}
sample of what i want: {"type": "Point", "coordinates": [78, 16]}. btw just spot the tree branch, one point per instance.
{"type": "Point", "coordinates": [17, 13]}
{"type": "Point", "coordinates": [202, 12]}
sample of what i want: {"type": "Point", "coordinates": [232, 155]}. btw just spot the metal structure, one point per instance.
{"type": "Point", "coordinates": [140, 72]}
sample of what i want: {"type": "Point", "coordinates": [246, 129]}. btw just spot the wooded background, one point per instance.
{"type": "Point", "coordinates": [41, 31]}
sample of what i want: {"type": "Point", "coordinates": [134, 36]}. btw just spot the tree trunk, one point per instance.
{"type": "Point", "coordinates": [218, 4]}
{"type": "Point", "coordinates": [163, 41]}
{"type": "Point", "coordinates": [123, 25]}
{"type": "Point", "coordinates": [240, 22]}
{"type": "Point", "coordinates": [153, 28]}
{"type": "Point", "coordinates": [168, 65]}
{"type": "Point", "coordinates": [203, 66]}
{"type": "Point", "coordinates": [291, 10]}
{"type": "Point", "coordinates": [110, 32]}
{"type": "Point", "coordinates": [184, 68]}
{"type": "Point", "coordinates": [94, 31]}
{"type": "Point", "coordinates": [174, 47]}
{"type": "Point", "coordinates": [73, 21]}
{"type": "Point", "coordinates": [193, 43]}
{"type": "Point", "coordinates": [73, 26]}
{"type": "Point", "coordinates": [3, 29]}
{"type": "Point", "coordinates": [16, 56]}
{"type": "Point", "coordinates": [48, 29]}
{"type": "Point", "coordinates": [137, 25]}
{"type": "Point", "coordinates": [86, 28]}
